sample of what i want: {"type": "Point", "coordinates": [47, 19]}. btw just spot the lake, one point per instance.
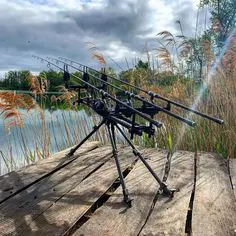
{"type": "Point", "coordinates": [45, 132]}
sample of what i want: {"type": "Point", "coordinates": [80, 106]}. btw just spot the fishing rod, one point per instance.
{"type": "Point", "coordinates": [112, 120]}
{"type": "Point", "coordinates": [150, 93]}
{"type": "Point", "coordinates": [131, 95]}
{"type": "Point", "coordinates": [101, 73]}
{"type": "Point", "coordinates": [104, 94]}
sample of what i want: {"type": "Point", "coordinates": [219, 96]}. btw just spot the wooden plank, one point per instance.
{"type": "Point", "coordinates": [17, 180]}
{"type": "Point", "coordinates": [113, 218]}
{"type": "Point", "coordinates": [232, 170]}
{"type": "Point", "coordinates": [36, 199]}
{"type": "Point", "coordinates": [57, 219]}
{"type": "Point", "coordinates": [169, 215]}
{"type": "Point", "coordinates": [214, 211]}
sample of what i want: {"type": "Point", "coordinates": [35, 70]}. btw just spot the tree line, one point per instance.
{"type": "Point", "coordinates": [192, 56]}
{"type": "Point", "coordinates": [141, 75]}
{"type": "Point", "coordinates": [20, 80]}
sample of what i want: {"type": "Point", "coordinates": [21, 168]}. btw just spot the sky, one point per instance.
{"type": "Point", "coordinates": [121, 29]}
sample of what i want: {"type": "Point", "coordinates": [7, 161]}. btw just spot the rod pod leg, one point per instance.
{"type": "Point", "coordinates": [95, 129]}
{"type": "Point", "coordinates": [163, 186]}
{"type": "Point", "coordinates": [111, 132]}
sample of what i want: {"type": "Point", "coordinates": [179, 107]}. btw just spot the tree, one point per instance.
{"type": "Point", "coordinates": [142, 65]}
{"type": "Point", "coordinates": [223, 18]}
{"type": "Point", "coordinates": [23, 79]}
{"type": "Point", "coordinates": [54, 79]}
{"type": "Point", "coordinates": [15, 80]}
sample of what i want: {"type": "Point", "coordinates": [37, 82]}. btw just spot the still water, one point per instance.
{"type": "Point", "coordinates": [44, 133]}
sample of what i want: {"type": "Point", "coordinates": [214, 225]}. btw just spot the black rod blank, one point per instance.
{"type": "Point", "coordinates": [135, 96]}
{"type": "Point", "coordinates": [106, 95]}
{"type": "Point", "coordinates": [155, 95]}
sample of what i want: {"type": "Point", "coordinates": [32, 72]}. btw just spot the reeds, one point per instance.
{"type": "Point", "coordinates": [44, 133]}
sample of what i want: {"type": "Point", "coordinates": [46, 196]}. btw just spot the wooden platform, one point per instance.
{"type": "Point", "coordinates": [82, 195]}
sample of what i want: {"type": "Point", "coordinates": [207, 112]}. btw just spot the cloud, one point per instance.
{"type": "Point", "coordinates": [187, 15]}
{"type": "Point", "coordinates": [61, 28]}
{"type": "Point", "coordinates": [122, 21]}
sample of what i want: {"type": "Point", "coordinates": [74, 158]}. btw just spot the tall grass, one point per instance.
{"type": "Point", "coordinates": [43, 134]}
{"type": "Point", "coordinates": [218, 100]}
{"type": "Point", "coordinates": [214, 95]}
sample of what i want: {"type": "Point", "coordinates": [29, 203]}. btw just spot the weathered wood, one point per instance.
{"type": "Point", "coordinates": [232, 170]}
{"type": "Point", "coordinates": [214, 211]}
{"type": "Point", "coordinates": [169, 215]}
{"type": "Point", "coordinates": [113, 218]}
{"type": "Point", "coordinates": [36, 199]}
{"type": "Point", "coordinates": [56, 204]}
{"type": "Point", "coordinates": [17, 180]}
{"type": "Point", "coordinates": [57, 219]}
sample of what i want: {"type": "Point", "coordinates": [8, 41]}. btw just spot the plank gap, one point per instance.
{"type": "Point", "coordinates": [157, 195]}
{"type": "Point", "coordinates": [100, 201]}
{"type": "Point", "coordinates": [188, 225]}
{"type": "Point", "coordinates": [90, 173]}
{"type": "Point", "coordinates": [230, 170]}
{"type": "Point", "coordinates": [60, 166]}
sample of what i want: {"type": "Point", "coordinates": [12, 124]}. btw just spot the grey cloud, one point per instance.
{"type": "Point", "coordinates": [60, 33]}
{"type": "Point", "coordinates": [122, 21]}
{"type": "Point", "coordinates": [185, 12]}
{"type": "Point", "coordinates": [20, 38]}
{"type": "Point", "coordinates": [114, 20]}
{"type": "Point", "coordinates": [119, 21]}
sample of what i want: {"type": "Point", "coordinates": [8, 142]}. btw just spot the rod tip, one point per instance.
{"type": "Point", "coordinates": [221, 122]}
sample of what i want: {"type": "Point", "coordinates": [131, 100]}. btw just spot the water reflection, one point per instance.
{"type": "Point", "coordinates": [44, 132]}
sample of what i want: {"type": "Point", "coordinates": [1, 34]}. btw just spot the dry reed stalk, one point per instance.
{"type": "Point", "coordinates": [67, 131]}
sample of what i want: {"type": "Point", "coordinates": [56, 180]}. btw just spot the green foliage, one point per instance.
{"type": "Point", "coordinates": [18, 80]}
{"type": "Point", "coordinates": [73, 79]}
{"type": "Point", "coordinates": [136, 76]}
{"type": "Point", "coordinates": [15, 80]}
{"type": "Point", "coordinates": [166, 79]}
{"type": "Point", "coordinates": [142, 65]}
{"type": "Point", "coordinates": [170, 143]}
{"type": "Point", "coordinates": [223, 18]}
{"type": "Point", "coordinates": [169, 79]}
{"type": "Point", "coordinates": [147, 142]}
{"type": "Point", "coordinates": [54, 78]}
